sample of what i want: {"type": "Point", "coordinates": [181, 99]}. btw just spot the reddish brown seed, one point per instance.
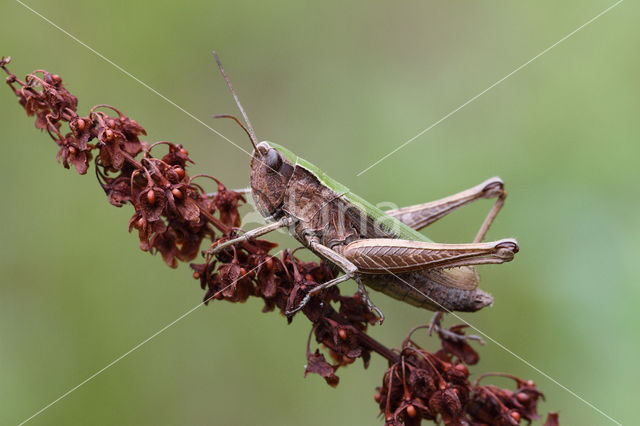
{"type": "Point", "coordinates": [56, 79]}
{"type": "Point", "coordinates": [140, 223]}
{"type": "Point", "coordinates": [342, 333]}
{"type": "Point", "coordinates": [515, 416]}
{"type": "Point", "coordinates": [411, 411]}
{"type": "Point", "coordinates": [196, 275]}
{"type": "Point", "coordinates": [462, 368]}
{"type": "Point", "coordinates": [378, 397]}
{"type": "Point", "coordinates": [112, 123]}
{"type": "Point", "coordinates": [108, 134]}
{"type": "Point", "coordinates": [184, 151]}
{"type": "Point", "coordinates": [269, 264]}
{"type": "Point", "coordinates": [347, 360]}
{"type": "Point", "coordinates": [180, 172]}
{"type": "Point", "coordinates": [72, 149]}
{"type": "Point", "coordinates": [151, 197]}
{"type": "Point", "coordinates": [308, 277]}
{"type": "Point", "coordinates": [177, 193]}
{"type": "Point", "coordinates": [334, 356]}
{"type": "Point", "coordinates": [80, 124]}
{"type": "Point", "coordinates": [243, 272]}
{"type": "Point", "coordinates": [531, 383]}
{"type": "Point", "coordinates": [522, 397]}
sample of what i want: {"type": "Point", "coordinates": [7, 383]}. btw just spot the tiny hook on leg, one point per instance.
{"type": "Point", "coordinates": [317, 290]}
{"type": "Point", "coordinates": [364, 294]}
{"type": "Point", "coordinates": [434, 324]}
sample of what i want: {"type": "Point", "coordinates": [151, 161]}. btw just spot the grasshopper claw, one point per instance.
{"type": "Point", "coordinates": [302, 304]}
{"type": "Point", "coordinates": [434, 324]}
{"type": "Point", "coordinates": [317, 290]}
{"type": "Point", "coordinates": [450, 335]}
{"type": "Point", "coordinates": [435, 321]}
{"type": "Point", "coordinates": [364, 294]}
{"type": "Point", "coordinates": [378, 312]}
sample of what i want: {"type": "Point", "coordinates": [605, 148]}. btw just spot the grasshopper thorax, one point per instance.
{"type": "Point", "coordinates": [271, 170]}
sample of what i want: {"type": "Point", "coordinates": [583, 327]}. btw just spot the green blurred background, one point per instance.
{"type": "Point", "coordinates": [341, 84]}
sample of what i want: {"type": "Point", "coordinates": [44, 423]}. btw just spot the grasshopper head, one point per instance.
{"type": "Point", "coordinates": [271, 169]}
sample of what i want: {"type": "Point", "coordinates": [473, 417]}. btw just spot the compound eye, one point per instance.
{"type": "Point", "coordinates": [273, 161]}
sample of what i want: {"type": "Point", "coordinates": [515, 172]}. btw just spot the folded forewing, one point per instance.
{"type": "Point", "coordinates": [383, 255]}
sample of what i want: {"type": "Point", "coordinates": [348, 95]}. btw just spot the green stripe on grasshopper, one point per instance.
{"type": "Point", "coordinates": [398, 228]}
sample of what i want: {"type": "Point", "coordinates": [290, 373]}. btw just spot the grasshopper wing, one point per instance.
{"type": "Point", "coordinates": [464, 277]}
{"type": "Point", "coordinates": [386, 255]}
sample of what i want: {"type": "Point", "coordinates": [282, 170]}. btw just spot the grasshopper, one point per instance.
{"type": "Point", "coordinates": [382, 250]}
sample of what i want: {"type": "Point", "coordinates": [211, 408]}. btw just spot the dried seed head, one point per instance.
{"type": "Point", "coordinates": [424, 385]}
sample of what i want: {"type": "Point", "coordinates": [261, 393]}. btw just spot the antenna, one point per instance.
{"type": "Point", "coordinates": [249, 129]}
{"type": "Point", "coordinates": [234, 118]}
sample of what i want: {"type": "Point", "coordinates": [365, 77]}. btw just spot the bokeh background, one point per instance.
{"type": "Point", "coordinates": [341, 84]}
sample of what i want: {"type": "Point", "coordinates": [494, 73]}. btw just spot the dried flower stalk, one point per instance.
{"type": "Point", "coordinates": [174, 216]}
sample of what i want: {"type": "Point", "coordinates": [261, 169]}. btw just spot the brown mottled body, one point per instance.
{"type": "Point", "coordinates": [323, 215]}
{"type": "Point", "coordinates": [373, 247]}
{"type": "Point", "coordinates": [382, 250]}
